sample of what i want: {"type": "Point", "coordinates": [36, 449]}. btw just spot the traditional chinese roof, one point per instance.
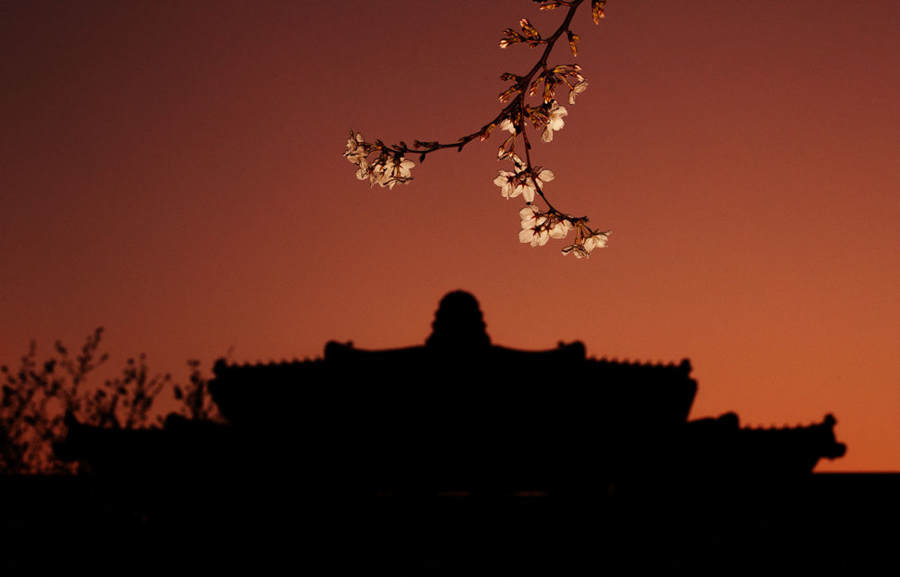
{"type": "Point", "coordinates": [457, 371]}
{"type": "Point", "coordinates": [721, 446]}
{"type": "Point", "coordinates": [459, 412]}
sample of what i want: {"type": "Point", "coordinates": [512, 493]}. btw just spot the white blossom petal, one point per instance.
{"type": "Point", "coordinates": [540, 238]}
{"type": "Point", "coordinates": [503, 178]}
{"type": "Point", "coordinates": [560, 229]}
{"type": "Point", "coordinates": [576, 90]}
{"type": "Point", "coordinates": [596, 241]}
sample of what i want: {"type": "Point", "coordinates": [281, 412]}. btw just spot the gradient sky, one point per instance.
{"type": "Point", "coordinates": [173, 171]}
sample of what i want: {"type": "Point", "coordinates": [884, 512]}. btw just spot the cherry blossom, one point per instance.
{"type": "Point", "coordinates": [513, 184]}
{"type": "Point", "coordinates": [554, 121]}
{"type": "Point", "coordinates": [373, 171]}
{"type": "Point", "coordinates": [507, 182]}
{"type": "Point", "coordinates": [534, 226]}
{"type": "Point", "coordinates": [531, 217]}
{"type": "Point", "coordinates": [356, 148]}
{"type": "Point", "coordinates": [387, 165]}
{"type": "Point", "coordinates": [545, 174]}
{"type": "Point", "coordinates": [596, 241]}
{"type": "Point", "coordinates": [363, 172]}
{"type": "Point", "coordinates": [576, 90]}
{"type": "Point", "coordinates": [560, 228]}
{"type": "Point", "coordinates": [587, 243]}
{"type": "Point", "coordinates": [398, 168]}
{"type": "Point", "coordinates": [536, 236]}
{"type": "Point", "coordinates": [577, 250]}
{"type": "Point", "coordinates": [508, 125]}
{"type": "Point", "coordinates": [395, 170]}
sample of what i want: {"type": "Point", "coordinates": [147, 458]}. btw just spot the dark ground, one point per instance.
{"type": "Point", "coordinates": [822, 522]}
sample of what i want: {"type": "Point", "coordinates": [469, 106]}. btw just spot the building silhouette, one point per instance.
{"type": "Point", "coordinates": [398, 453]}
{"type": "Point", "coordinates": [460, 413]}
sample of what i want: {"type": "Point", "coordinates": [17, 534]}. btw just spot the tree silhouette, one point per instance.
{"type": "Point", "coordinates": [37, 397]}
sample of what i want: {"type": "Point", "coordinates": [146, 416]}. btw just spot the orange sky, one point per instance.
{"type": "Point", "coordinates": [174, 172]}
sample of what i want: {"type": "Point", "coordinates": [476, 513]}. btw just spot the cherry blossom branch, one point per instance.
{"type": "Point", "coordinates": [390, 167]}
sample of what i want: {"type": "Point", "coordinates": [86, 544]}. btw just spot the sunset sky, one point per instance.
{"type": "Point", "coordinates": [173, 171]}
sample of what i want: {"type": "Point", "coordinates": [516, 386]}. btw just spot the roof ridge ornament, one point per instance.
{"type": "Point", "coordinates": [458, 323]}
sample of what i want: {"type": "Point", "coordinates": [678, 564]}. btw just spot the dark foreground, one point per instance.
{"type": "Point", "coordinates": [825, 521]}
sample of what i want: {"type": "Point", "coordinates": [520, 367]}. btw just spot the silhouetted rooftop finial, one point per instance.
{"type": "Point", "coordinates": [458, 323]}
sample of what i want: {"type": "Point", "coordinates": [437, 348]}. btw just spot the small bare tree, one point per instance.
{"type": "Point", "coordinates": [197, 402]}
{"type": "Point", "coordinates": [35, 399]}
